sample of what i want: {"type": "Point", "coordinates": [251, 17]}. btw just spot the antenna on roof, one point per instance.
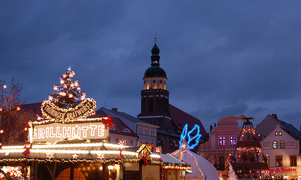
{"type": "Point", "coordinates": [105, 104]}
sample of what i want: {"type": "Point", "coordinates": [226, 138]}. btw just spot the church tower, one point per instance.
{"type": "Point", "coordinates": [154, 96]}
{"type": "Point", "coordinates": [155, 104]}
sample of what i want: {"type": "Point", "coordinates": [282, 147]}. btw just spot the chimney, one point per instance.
{"type": "Point", "coordinates": [214, 124]}
{"type": "Point", "coordinates": [211, 128]}
{"type": "Point", "coordinates": [114, 109]}
{"type": "Point", "coordinates": [274, 116]}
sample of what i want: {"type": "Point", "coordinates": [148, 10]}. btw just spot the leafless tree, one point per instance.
{"type": "Point", "coordinates": [11, 124]}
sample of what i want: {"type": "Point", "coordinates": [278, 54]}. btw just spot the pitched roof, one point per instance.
{"type": "Point", "coordinates": [122, 114]}
{"type": "Point", "coordinates": [120, 127]}
{"type": "Point", "coordinates": [181, 118]}
{"type": "Point", "coordinates": [290, 129]}
{"type": "Point", "coordinates": [35, 107]}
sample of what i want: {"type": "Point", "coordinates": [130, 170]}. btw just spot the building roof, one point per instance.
{"type": "Point", "coordinates": [35, 107]}
{"type": "Point", "coordinates": [72, 152]}
{"type": "Point", "coordinates": [181, 118]}
{"type": "Point", "coordinates": [122, 114]}
{"type": "Point", "coordinates": [290, 129]}
{"type": "Point", "coordinates": [271, 121]}
{"type": "Point", "coordinates": [120, 128]}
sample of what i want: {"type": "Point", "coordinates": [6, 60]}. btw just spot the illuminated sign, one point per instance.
{"type": "Point", "coordinates": [187, 139]}
{"type": "Point", "coordinates": [82, 110]}
{"type": "Point", "coordinates": [53, 132]}
{"type": "Point", "coordinates": [283, 170]}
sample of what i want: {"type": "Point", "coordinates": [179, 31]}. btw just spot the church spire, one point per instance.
{"type": "Point", "coordinates": [155, 58]}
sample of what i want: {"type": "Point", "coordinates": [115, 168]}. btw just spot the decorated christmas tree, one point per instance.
{"type": "Point", "coordinates": [231, 173]}
{"type": "Point", "coordinates": [67, 102]}
{"type": "Point", "coordinates": [68, 94]}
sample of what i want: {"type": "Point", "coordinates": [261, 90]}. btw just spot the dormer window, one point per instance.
{"type": "Point", "coordinates": [112, 128]}
{"type": "Point", "coordinates": [126, 130]}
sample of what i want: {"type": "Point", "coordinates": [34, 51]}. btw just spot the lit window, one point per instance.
{"type": "Point", "coordinates": [293, 160]}
{"type": "Point", "coordinates": [278, 161]}
{"type": "Point", "coordinates": [282, 144]}
{"type": "Point", "coordinates": [275, 144]}
{"type": "Point", "coordinates": [232, 140]}
{"type": "Point", "coordinates": [276, 133]}
{"type": "Point", "coordinates": [66, 174]}
{"type": "Point", "coordinates": [222, 141]}
{"type": "Point", "coordinates": [280, 133]}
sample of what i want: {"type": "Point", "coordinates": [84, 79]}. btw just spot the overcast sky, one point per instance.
{"type": "Point", "coordinates": [222, 58]}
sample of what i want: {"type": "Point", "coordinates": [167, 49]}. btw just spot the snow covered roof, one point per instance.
{"type": "Point", "coordinates": [200, 167]}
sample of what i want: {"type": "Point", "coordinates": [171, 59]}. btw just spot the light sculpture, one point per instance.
{"type": "Point", "coordinates": [186, 139]}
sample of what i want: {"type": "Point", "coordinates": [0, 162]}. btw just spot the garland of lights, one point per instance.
{"type": "Point", "coordinates": [82, 110]}
{"type": "Point", "coordinates": [182, 151]}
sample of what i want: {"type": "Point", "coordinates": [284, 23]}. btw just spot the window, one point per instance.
{"type": "Point", "coordinates": [278, 161]}
{"type": "Point", "coordinates": [66, 174]}
{"type": "Point", "coordinates": [131, 142]}
{"type": "Point", "coordinates": [232, 140]}
{"type": "Point", "coordinates": [160, 81]}
{"type": "Point", "coordinates": [275, 144]}
{"type": "Point", "coordinates": [126, 130]}
{"type": "Point", "coordinates": [146, 131]}
{"type": "Point", "coordinates": [278, 133]}
{"type": "Point", "coordinates": [112, 128]}
{"type": "Point", "coordinates": [116, 140]}
{"type": "Point", "coordinates": [154, 81]}
{"type": "Point", "coordinates": [293, 160]}
{"type": "Point", "coordinates": [222, 141]}
{"type": "Point", "coordinates": [140, 130]}
{"type": "Point", "coordinates": [282, 144]}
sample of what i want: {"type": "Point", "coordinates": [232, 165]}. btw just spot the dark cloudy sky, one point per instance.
{"type": "Point", "coordinates": [222, 58]}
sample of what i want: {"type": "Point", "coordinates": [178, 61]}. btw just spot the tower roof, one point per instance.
{"type": "Point", "coordinates": [155, 70]}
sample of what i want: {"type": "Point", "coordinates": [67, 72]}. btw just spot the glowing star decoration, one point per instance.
{"type": "Point", "coordinates": [187, 135]}
{"type": "Point", "coordinates": [6, 154]}
{"type": "Point", "coordinates": [74, 156]}
{"type": "Point", "coordinates": [121, 143]}
{"type": "Point", "coordinates": [158, 150]}
{"type": "Point", "coordinates": [100, 156]}
{"type": "Point", "coordinates": [49, 155]}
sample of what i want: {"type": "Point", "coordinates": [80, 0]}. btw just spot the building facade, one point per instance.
{"type": "Point", "coordinates": [221, 144]}
{"type": "Point", "coordinates": [281, 147]}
